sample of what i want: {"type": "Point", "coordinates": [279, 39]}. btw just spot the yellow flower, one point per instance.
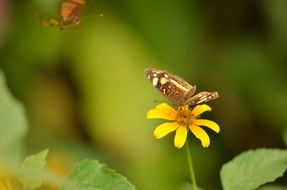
{"type": "Point", "coordinates": [184, 118]}
{"type": "Point", "coordinates": [5, 184]}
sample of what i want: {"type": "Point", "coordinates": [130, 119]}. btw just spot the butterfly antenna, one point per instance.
{"type": "Point", "coordinates": [90, 16]}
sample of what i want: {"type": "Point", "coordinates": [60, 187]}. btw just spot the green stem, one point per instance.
{"type": "Point", "coordinates": [191, 170]}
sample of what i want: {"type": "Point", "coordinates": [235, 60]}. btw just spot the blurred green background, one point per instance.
{"type": "Point", "coordinates": [86, 95]}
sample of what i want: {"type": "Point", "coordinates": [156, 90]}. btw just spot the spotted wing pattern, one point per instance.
{"type": "Point", "coordinates": [176, 89]}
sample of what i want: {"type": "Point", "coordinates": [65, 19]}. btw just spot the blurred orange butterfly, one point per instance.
{"type": "Point", "coordinates": [70, 13]}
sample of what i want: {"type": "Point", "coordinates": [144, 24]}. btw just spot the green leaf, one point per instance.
{"type": "Point", "coordinates": [253, 168]}
{"type": "Point", "coordinates": [188, 186]}
{"type": "Point", "coordinates": [13, 123]}
{"type": "Point", "coordinates": [273, 187]}
{"type": "Point", "coordinates": [285, 137]}
{"type": "Point", "coordinates": [91, 175]}
{"type": "Point", "coordinates": [32, 170]}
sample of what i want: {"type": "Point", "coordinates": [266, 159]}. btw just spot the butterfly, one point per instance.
{"type": "Point", "coordinates": [176, 89]}
{"type": "Point", "coordinates": [70, 13]}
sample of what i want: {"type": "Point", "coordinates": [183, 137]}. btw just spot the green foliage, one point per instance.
{"type": "Point", "coordinates": [32, 170]}
{"type": "Point", "coordinates": [13, 127]}
{"type": "Point", "coordinates": [273, 187]}
{"type": "Point", "coordinates": [13, 123]}
{"type": "Point", "coordinates": [251, 169]}
{"type": "Point", "coordinates": [188, 186]}
{"type": "Point", "coordinates": [91, 175]}
{"type": "Point", "coordinates": [285, 136]}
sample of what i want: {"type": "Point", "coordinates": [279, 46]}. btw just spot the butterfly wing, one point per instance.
{"type": "Point", "coordinates": [173, 87]}
{"type": "Point", "coordinates": [202, 97]}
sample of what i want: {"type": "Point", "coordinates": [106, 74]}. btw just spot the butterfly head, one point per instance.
{"type": "Point", "coordinates": [75, 20]}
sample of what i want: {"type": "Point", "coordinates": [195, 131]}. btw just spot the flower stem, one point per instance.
{"type": "Point", "coordinates": [191, 170]}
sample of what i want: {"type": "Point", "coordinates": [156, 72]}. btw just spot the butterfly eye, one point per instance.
{"type": "Point", "coordinates": [76, 21]}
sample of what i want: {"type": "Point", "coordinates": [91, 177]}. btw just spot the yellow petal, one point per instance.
{"type": "Point", "coordinates": [180, 137]}
{"type": "Point", "coordinates": [210, 124]}
{"type": "Point", "coordinates": [199, 109]}
{"type": "Point", "coordinates": [162, 111]}
{"type": "Point", "coordinates": [5, 184]}
{"type": "Point", "coordinates": [201, 135]}
{"type": "Point", "coordinates": [164, 129]}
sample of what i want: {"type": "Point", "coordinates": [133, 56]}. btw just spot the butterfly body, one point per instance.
{"type": "Point", "coordinates": [70, 13]}
{"type": "Point", "coordinates": [176, 89]}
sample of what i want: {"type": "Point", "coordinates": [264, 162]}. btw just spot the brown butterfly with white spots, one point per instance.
{"type": "Point", "coordinates": [176, 89]}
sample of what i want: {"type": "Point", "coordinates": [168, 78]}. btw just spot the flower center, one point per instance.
{"type": "Point", "coordinates": [184, 116]}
